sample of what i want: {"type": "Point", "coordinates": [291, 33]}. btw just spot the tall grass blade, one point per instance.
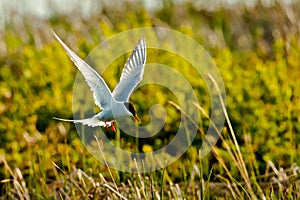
{"type": "Point", "coordinates": [106, 164]}
{"type": "Point", "coordinates": [239, 156]}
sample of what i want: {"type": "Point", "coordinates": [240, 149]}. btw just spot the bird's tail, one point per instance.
{"type": "Point", "coordinates": [93, 121]}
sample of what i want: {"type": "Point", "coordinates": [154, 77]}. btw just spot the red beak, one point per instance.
{"type": "Point", "coordinates": [136, 118]}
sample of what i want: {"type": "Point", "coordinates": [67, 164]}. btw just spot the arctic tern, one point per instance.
{"type": "Point", "coordinates": [113, 105]}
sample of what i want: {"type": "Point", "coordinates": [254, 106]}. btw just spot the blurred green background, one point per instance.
{"type": "Point", "coordinates": [255, 45]}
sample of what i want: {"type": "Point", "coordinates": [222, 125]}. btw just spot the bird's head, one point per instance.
{"type": "Point", "coordinates": [132, 110]}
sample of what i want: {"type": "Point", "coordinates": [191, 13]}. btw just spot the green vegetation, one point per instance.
{"type": "Point", "coordinates": [257, 51]}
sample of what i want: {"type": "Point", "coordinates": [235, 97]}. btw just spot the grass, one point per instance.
{"type": "Point", "coordinates": [257, 156]}
{"type": "Point", "coordinates": [282, 184]}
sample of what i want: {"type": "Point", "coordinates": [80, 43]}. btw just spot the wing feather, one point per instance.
{"type": "Point", "coordinates": [132, 72]}
{"type": "Point", "coordinates": [101, 92]}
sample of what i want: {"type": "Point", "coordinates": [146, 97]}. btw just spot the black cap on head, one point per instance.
{"type": "Point", "coordinates": [130, 108]}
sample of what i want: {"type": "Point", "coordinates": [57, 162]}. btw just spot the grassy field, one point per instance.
{"type": "Point", "coordinates": [257, 51]}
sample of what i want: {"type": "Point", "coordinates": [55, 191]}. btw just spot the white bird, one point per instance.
{"type": "Point", "coordinates": [113, 105]}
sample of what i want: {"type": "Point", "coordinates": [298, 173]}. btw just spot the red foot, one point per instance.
{"type": "Point", "coordinates": [106, 126]}
{"type": "Point", "coordinates": [113, 127]}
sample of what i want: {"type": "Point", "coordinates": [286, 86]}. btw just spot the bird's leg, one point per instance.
{"type": "Point", "coordinates": [106, 126]}
{"type": "Point", "coordinates": [112, 126]}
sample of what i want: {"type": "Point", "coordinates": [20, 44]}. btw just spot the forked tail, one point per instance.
{"type": "Point", "coordinates": [93, 121]}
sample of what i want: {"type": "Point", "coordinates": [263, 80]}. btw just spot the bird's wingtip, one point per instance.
{"type": "Point", "coordinates": [56, 36]}
{"type": "Point", "coordinates": [51, 29]}
{"type": "Point", "coordinates": [143, 37]}
{"type": "Point", "coordinates": [53, 32]}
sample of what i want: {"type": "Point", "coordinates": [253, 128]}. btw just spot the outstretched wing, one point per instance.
{"type": "Point", "coordinates": [101, 92]}
{"type": "Point", "coordinates": [132, 73]}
